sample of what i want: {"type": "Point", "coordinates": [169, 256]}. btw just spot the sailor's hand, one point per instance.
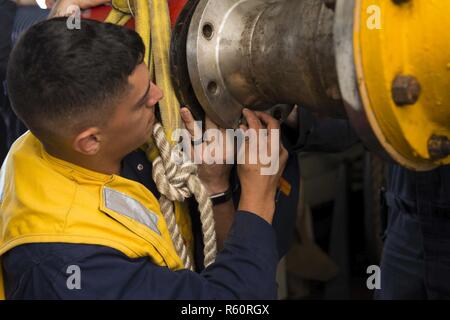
{"type": "Point", "coordinates": [258, 186]}
{"type": "Point", "coordinates": [212, 170]}
{"type": "Point", "coordinates": [63, 8]}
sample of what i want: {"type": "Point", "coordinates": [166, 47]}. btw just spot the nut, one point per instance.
{"type": "Point", "coordinates": [439, 147]}
{"type": "Point", "coordinates": [405, 90]}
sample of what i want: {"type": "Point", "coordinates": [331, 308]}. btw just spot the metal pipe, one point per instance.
{"type": "Point", "coordinates": [292, 56]}
{"type": "Point", "coordinates": [258, 53]}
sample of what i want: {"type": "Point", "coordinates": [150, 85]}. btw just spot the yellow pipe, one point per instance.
{"type": "Point", "coordinates": [412, 41]}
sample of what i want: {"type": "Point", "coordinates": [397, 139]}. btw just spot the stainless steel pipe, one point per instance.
{"type": "Point", "coordinates": [257, 54]}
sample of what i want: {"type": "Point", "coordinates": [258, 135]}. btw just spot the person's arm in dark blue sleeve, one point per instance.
{"type": "Point", "coordinates": [310, 133]}
{"type": "Point", "coordinates": [244, 269]}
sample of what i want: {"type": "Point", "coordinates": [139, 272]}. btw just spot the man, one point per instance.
{"type": "Point", "coordinates": [416, 254]}
{"type": "Point", "coordinates": [71, 203]}
{"type": "Point", "coordinates": [287, 197]}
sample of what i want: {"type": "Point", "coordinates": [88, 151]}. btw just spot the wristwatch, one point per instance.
{"type": "Point", "coordinates": [221, 197]}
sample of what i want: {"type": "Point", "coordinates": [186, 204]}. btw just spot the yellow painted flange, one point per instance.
{"type": "Point", "coordinates": [407, 39]}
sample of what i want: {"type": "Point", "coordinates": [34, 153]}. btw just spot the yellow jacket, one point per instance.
{"type": "Point", "coordinates": [45, 199]}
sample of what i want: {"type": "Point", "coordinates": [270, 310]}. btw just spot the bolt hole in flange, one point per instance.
{"type": "Point", "coordinates": [213, 88]}
{"type": "Point", "coordinates": [208, 31]}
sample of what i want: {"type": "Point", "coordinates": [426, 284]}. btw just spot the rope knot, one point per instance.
{"type": "Point", "coordinates": [177, 179]}
{"type": "Point", "coordinates": [172, 170]}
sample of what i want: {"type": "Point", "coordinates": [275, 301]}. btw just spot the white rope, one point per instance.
{"type": "Point", "coordinates": [177, 182]}
{"type": "Point", "coordinates": [129, 7]}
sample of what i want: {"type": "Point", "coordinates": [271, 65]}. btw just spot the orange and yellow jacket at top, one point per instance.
{"type": "Point", "coordinates": [44, 199]}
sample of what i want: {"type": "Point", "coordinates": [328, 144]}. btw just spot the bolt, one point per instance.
{"type": "Point", "coordinates": [439, 147]}
{"type": "Point", "coordinates": [405, 90]}
{"type": "Point", "coordinates": [398, 2]}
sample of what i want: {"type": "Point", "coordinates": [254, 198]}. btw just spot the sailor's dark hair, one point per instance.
{"type": "Point", "coordinates": [59, 76]}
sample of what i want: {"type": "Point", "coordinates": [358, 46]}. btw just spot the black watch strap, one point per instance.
{"type": "Point", "coordinates": [222, 197]}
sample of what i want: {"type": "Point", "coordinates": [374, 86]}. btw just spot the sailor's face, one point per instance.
{"type": "Point", "coordinates": [132, 123]}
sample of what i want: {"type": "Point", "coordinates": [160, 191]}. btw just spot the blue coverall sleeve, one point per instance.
{"type": "Point", "coordinates": [320, 135]}
{"type": "Point", "coordinates": [244, 269]}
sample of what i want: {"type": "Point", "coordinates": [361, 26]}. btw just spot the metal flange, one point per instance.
{"type": "Point", "coordinates": [214, 43]}
{"type": "Point", "coordinates": [258, 53]}
{"type": "Point", "coordinates": [403, 74]}
{"type": "Point", "coordinates": [348, 84]}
